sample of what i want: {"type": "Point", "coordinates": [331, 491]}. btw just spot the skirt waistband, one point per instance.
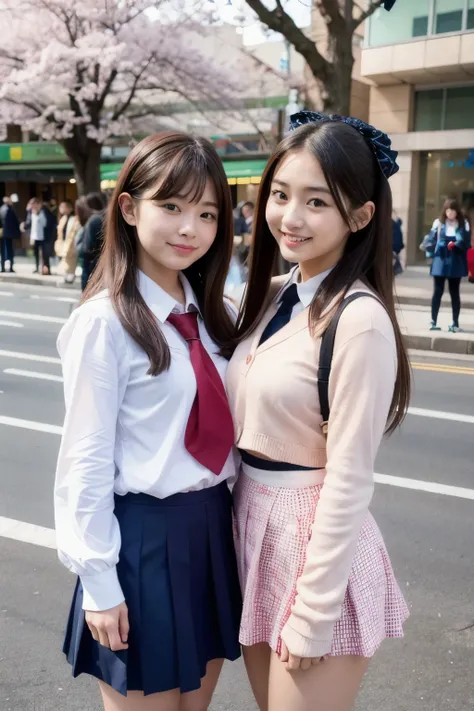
{"type": "Point", "coordinates": [189, 498]}
{"type": "Point", "coordinates": [298, 479]}
{"type": "Point", "coordinates": [269, 465]}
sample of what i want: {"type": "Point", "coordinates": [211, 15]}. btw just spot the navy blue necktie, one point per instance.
{"type": "Point", "coordinates": [288, 301]}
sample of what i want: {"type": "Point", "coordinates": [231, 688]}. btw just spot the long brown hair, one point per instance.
{"type": "Point", "coordinates": [175, 163]}
{"type": "Point", "coordinates": [353, 177]}
{"type": "Point", "coordinates": [452, 204]}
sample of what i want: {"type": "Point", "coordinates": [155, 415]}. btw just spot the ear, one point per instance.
{"type": "Point", "coordinates": [362, 216]}
{"type": "Point", "coordinates": [128, 208]}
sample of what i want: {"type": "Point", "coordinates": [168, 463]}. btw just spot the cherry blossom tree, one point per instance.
{"type": "Point", "coordinates": [83, 71]}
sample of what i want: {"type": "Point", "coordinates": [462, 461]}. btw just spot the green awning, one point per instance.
{"type": "Point", "coordinates": [244, 168]}
{"type": "Point", "coordinates": [110, 171]}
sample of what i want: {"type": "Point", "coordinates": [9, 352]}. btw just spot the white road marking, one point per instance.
{"type": "Point", "coordinates": [6, 293]}
{"type": "Point", "coordinates": [430, 487]}
{"type": "Point", "coordinates": [41, 536]}
{"type": "Point", "coordinates": [66, 299]}
{"type": "Point", "coordinates": [440, 415]}
{"type": "Point", "coordinates": [33, 374]}
{"type": "Point", "coordinates": [29, 356]}
{"type": "Point", "coordinates": [30, 425]}
{"type": "Point", "coordinates": [27, 532]}
{"type": "Point", "coordinates": [33, 317]}
{"type": "Point", "coordinates": [11, 324]}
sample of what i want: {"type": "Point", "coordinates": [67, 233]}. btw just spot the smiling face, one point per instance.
{"type": "Point", "coordinates": [303, 218]}
{"type": "Point", "coordinates": [174, 233]}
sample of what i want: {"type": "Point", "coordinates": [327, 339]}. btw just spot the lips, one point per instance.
{"type": "Point", "coordinates": [294, 239]}
{"type": "Point", "coordinates": [184, 248]}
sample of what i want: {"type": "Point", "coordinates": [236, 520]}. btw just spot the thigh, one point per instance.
{"type": "Point", "coordinates": [136, 701]}
{"type": "Point", "coordinates": [332, 685]}
{"type": "Point", "coordinates": [200, 700]}
{"type": "Point", "coordinates": [257, 664]}
{"type": "Point", "coordinates": [439, 285]}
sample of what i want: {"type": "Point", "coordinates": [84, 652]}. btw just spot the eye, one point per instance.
{"type": "Point", "coordinates": [170, 207]}
{"type": "Point", "coordinates": [209, 216]}
{"type": "Point", "coordinates": [278, 195]}
{"type": "Point", "coordinates": [317, 202]}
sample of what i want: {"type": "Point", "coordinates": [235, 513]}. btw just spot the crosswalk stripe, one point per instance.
{"type": "Point", "coordinates": [29, 356]}
{"type": "Point", "coordinates": [33, 374]}
{"type": "Point", "coordinates": [32, 317]}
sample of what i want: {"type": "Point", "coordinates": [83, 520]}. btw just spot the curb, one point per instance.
{"type": "Point", "coordinates": [425, 301]}
{"type": "Point", "coordinates": [440, 344]}
{"type": "Point", "coordinates": [53, 281]}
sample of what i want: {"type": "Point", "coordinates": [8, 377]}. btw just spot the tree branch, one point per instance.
{"type": "Point", "coordinates": [133, 90]}
{"type": "Point", "coordinates": [373, 6]}
{"type": "Point", "coordinates": [279, 21]}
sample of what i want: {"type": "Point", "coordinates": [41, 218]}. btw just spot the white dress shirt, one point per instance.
{"type": "Point", "coordinates": [306, 289]}
{"type": "Point", "coordinates": [123, 432]}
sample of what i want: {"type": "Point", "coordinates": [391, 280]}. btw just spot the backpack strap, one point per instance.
{"type": "Point", "coordinates": [325, 355]}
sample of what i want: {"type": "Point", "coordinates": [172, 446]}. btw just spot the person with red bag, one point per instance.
{"type": "Point", "coordinates": [448, 241]}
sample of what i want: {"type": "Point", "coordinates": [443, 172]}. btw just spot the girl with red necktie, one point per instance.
{"type": "Point", "coordinates": [142, 504]}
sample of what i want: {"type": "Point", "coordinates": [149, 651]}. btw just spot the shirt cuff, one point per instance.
{"type": "Point", "coordinates": [102, 591]}
{"type": "Point", "coordinates": [305, 647]}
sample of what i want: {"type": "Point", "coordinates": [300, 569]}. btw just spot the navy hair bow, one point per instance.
{"type": "Point", "coordinates": [388, 4]}
{"type": "Point", "coordinates": [379, 141]}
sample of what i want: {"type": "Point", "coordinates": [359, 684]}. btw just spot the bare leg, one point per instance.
{"type": "Point", "coordinates": [332, 685]}
{"type": "Point", "coordinates": [200, 700]}
{"type": "Point", "coordinates": [136, 701]}
{"type": "Point", "coordinates": [257, 663]}
{"type": "Point", "coordinates": [167, 701]}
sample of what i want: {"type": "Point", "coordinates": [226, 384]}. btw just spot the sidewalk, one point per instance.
{"type": "Point", "coordinates": [415, 287]}
{"type": "Point", "coordinates": [413, 291]}
{"type": "Point", "coordinates": [24, 275]}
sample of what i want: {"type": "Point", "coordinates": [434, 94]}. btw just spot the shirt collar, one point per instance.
{"type": "Point", "coordinates": [160, 302]}
{"type": "Point", "coordinates": [306, 289]}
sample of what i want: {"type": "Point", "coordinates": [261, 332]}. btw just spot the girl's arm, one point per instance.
{"type": "Point", "coordinates": [361, 388]}
{"type": "Point", "coordinates": [88, 534]}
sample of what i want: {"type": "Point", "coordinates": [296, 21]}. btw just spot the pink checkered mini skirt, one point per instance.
{"type": "Point", "coordinates": [272, 530]}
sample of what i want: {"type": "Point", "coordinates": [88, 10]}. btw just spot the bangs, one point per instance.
{"type": "Point", "coordinates": [186, 175]}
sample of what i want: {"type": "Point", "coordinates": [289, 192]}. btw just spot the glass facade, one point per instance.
{"type": "Point", "coordinates": [444, 109]}
{"type": "Point", "coordinates": [444, 174]}
{"type": "Point", "coordinates": [420, 18]}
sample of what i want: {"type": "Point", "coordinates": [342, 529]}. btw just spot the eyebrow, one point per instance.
{"type": "Point", "coordinates": [208, 203]}
{"type": "Point", "coordinates": [309, 189]}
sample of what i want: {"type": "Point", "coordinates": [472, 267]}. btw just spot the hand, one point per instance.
{"type": "Point", "coordinates": [292, 662]}
{"type": "Point", "coordinates": [451, 245]}
{"type": "Point", "coordinates": [110, 627]}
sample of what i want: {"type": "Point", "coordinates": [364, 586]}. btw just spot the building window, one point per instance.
{"type": "Point", "coordinates": [404, 22]}
{"type": "Point", "coordinates": [470, 15]}
{"type": "Point", "coordinates": [444, 109]}
{"type": "Point", "coordinates": [448, 16]}
{"type": "Point", "coordinates": [420, 18]}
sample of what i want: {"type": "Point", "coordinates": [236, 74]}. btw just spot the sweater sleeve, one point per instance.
{"type": "Point", "coordinates": [361, 390]}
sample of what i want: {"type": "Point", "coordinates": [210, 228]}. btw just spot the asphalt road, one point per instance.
{"type": "Point", "coordinates": [429, 533]}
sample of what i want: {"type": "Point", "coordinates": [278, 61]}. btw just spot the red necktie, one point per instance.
{"type": "Point", "coordinates": [210, 431]}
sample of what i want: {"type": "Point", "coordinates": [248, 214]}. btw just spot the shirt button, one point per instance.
{"type": "Point", "coordinates": [248, 359]}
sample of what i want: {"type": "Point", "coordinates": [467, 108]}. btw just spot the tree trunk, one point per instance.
{"type": "Point", "coordinates": [85, 157]}
{"type": "Point", "coordinates": [337, 89]}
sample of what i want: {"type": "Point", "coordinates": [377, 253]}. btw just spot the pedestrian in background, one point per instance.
{"type": "Point", "coordinates": [90, 239]}
{"type": "Point", "coordinates": [319, 591]}
{"type": "Point", "coordinates": [398, 244]}
{"type": "Point", "coordinates": [142, 506]}
{"type": "Point", "coordinates": [42, 226]}
{"type": "Point", "coordinates": [447, 244]}
{"type": "Point", "coordinates": [9, 230]}
{"type": "Point", "coordinates": [65, 247]}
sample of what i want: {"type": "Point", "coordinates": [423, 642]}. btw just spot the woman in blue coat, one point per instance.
{"type": "Point", "coordinates": [448, 243]}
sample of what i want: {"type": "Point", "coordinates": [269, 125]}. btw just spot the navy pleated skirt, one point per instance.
{"type": "Point", "coordinates": [178, 573]}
